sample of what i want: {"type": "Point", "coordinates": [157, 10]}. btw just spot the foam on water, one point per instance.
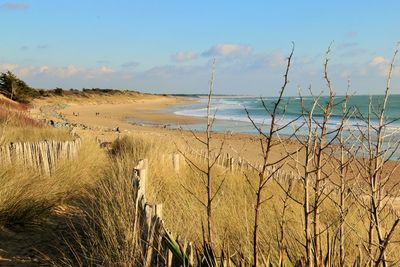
{"type": "Point", "coordinates": [231, 115]}
{"type": "Point", "coordinates": [234, 109]}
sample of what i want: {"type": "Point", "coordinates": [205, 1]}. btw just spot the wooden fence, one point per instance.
{"type": "Point", "coordinates": [281, 176]}
{"type": "Point", "coordinates": [225, 160]}
{"type": "Point", "coordinates": [42, 156]}
{"type": "Point", "coordinates": [152, 231]}
{"type": "Point", "coordinates": [151, 226]}
{"type": "Point", "coordinates": [238, 164]}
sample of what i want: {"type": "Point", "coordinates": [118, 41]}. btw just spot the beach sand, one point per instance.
{"type": "Point", "coordinates": [113, 111]}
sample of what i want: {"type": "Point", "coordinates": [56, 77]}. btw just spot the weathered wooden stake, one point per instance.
{"type": "Point", "coordinates": [175, 161]}
{"type": "Point", "coordinates": [231, 164]}
{"type": "Point", "coordinates": [140, 171]}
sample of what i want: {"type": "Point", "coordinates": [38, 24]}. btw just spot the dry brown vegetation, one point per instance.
{"type": "Point", "coordinates": [17, 125]}
{"type": "Point", "coordinates": [327, 202]}
{"type": "Point", "coordinates": [96, 193]}
{"type": "Point", "coordinates": [16, 114]}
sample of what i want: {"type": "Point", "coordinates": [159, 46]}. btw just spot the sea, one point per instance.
{"type": "Point", "coordinates": [247, 115]}
{"type": "Point", "coordinates": [236, 114]}
{"type": "Point", "coordinates": [250, 114]}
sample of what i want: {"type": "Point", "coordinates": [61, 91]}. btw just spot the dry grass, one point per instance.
{"type": "Point", "coordinates": [6, 103]}
{"type": "Point", "coordinates": [16, 114]}
{"type": "Point", "coordinates": [93, 97]}
{"type": "Point", "coordinates": [32, 134]}
{"type": "Point", "coordinates": [18, 118]}
{"type": "Point", "coordinates": [106, 232]}
{"type": "Point", "coordinates": [26, 196]}
{"type": "Point", "coordinates": [16, 125]}
{"type": "Point", "coordinates": [233, 211]}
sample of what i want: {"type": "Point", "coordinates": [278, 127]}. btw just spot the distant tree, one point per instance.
{"type": "Point", "coordinates": [14, 88]}
{"type": "Point", "coordinates": [8, 84]}
{"type": "Point", "coordinates": [58, 91]}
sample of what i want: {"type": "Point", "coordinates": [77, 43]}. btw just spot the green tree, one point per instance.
{"type": "Point", "coordinates": [14, 88]}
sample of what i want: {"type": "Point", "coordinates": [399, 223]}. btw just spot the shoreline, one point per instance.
{"type": "Point", "coordinates": [113, 112]}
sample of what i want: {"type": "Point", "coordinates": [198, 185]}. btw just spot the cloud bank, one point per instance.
{"type": "Point", "coordinates": [227, 50]}
{"type": "Point", "coordinates": [239, 70]}
{"type": "Point", "coordinates": [184, 56]}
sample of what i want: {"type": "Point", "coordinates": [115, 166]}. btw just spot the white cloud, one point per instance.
{"type": "Point", "coordinates": [43, 69]}
{"type": "Point", "coordinates": [227, 50]}
{"type": "Point", "coordinates": [63, 72]}
{"type": "Point", "coordinates": [58, 72]}
{"type": "Point", "coordinates": [27, 71]}
{"type": "Point", "coordinates": [238, 69]}
{"type": "Point", "coordinates": [378, 61]}
{"type": "Point", "coordinates": [105, 69]}
{"type": "Point", "coordinates": [381, 65]}
{"type": "Point", "coordinates": [8, 67]}
{"type": "Point", "coordinates": [183, 56]}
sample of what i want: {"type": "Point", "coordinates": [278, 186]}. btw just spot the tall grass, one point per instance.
{"type": "Point", "coordinates": [232, 216]}
{"type": "Point", "coordinates": [18, 118]}
{"type": "Point", "coordinates": [16, 125]}
{"type": "Point", "coordinates": [9, 104]}
{"type": "Point", "coordinates": [16, 114]}
{"type": "Point", "coordinates": [108, 234]}
{"type": "Point", "coordinates": [32, 134]}
{"type": "Point", "coordinates": [26, 196]}
{"type": "Point", "coordinates": [106, 230]}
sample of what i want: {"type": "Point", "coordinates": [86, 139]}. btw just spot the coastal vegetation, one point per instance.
{"type": "Point", "coordinates": [324, 198]}
{"type": "Point", "coordinates": [15, 89]}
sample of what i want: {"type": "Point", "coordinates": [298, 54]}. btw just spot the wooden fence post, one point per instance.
{"type": "Point", "coordinates": [175, 161]}
{"type": "Point", "coordinates": [150, 218]}
{"type": "Point", "coordinates": [140, 174]}
{"type": "Point", "coordinates": [231, 164]}
{"type": "Point", "coordinates": [42, 155]}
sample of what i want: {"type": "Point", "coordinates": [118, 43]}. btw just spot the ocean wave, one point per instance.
{"type": "Point", "coordinates": [233, 109]}
{"type": "Point", "coordinates": [350, 125]}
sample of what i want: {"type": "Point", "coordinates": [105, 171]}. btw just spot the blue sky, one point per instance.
{"type": "Point", "coordinates": [167, 46]}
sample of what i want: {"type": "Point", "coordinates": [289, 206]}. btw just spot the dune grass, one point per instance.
{"type": "Point", "coordinates": [27, 196]}
{"type": "Point", "coordinates": [108, 232]}
{"type": "Point", "coordinates": [232, 217]}
{"type": "Point", "coordinates": [99, 185]}
{"type": "Point", "coordinates": [17, 125]}
{"type": "Point", "coordinates": [32, 134]}
{"type": "Point", "coordinates": [105, 234]}
{"type": "Point", "coordinates": [16, 114]}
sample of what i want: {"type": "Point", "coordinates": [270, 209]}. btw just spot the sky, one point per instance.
{"type": "Point", "coordinates": [169, 46]}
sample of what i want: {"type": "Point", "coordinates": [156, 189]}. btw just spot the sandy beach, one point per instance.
{"type": "Point", "coordinates": [113, 110]}
{"type": "Point", "coordinates": [103, 118]}
{"type": "Point", "coordinates": [102, 115]}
